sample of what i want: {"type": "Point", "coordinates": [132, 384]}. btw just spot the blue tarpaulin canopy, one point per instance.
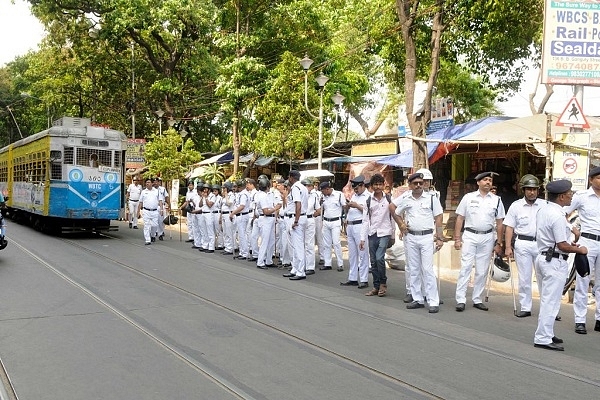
{"type": "Point", "coordinates": [405, 159]}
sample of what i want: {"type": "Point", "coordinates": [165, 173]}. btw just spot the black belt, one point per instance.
{"type": "Point", "coordinates": [133, 200]}
{"type": "Point", "coordinates": [478, 232]}
{"type": "Point", "coordinates": [206, 212]}
{"type": "Point", "coordinates": [246, 213]}
{"type": "Point", "coordinates": [215, 212]}
{"type": "Point", "coordinates": [309, 215]}
{"type": "Point", "coordinates": [557, 255]}
{"type": "Point", "coordinates": [525, 237]}
{"type": "Point", "coordinates": [267, 215]}
{"type": "Point", "coordinates": [355, 222]}
{"type": "Point", "coordinates": [421, 233]}
{"type": "Point", "coordinates": [225, 212]}
{"type": "Point", "coordinates": [591, 236]}
{"type": "Point", "coordinates": [150, 209]}
{"type": "Point", "coordinates": [331, 219]}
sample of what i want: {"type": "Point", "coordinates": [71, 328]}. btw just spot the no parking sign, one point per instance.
{"type": "Point", "coordinates": [571, 162]}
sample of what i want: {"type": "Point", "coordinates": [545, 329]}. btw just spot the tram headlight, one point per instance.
{"type": "Point", "coordinates": [94, 195]}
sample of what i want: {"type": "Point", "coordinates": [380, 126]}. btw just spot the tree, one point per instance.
{"type": "Point", "coordinates": [168, 155]}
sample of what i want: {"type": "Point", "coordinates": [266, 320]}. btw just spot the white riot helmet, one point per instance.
{"type": "Point", "coordinates": [500, 270]}
{"type": "Point", "coordinates": [426, 173]}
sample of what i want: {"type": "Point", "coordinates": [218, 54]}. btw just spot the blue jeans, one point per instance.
{"type": "Point", "coordinates": [377, 247]}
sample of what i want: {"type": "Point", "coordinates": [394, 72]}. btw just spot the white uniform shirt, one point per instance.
{"type": "Point", "coordinates": [162, 193]}
{"type": "Point", "coordinates": [313, 203]}
{"type": "Point", "coordinates": [195, 199]}
{"type": "Point", "coordinates": [228, 203]}
{"type": "Point", "coordinates": [480, 212]}
{"type": "Point", "coordinates": [263, 200]}
{"type": "Point", "coordinates": [149, 199]}
{"type": "Point", "coordinates": [521, 216]}
{"type": "Point", "coordinates": [134, 191]}
{"type": "Point", "coordinates": [552, 227]}
{"type": "Point", "coordinates": [243, 198]}
{"type": "Point", "coordinates": [353, 213]}
{"type": "Point", "coordinates": [587, 204]}
{"type": "Point", "coordinates": [419, 212]}
{"type": "Point", "coordinates": [217, 199]}
{"type": "Point", "coordinates": [300, 194]}
{"type": "Point", "coordinates": [333, 205]}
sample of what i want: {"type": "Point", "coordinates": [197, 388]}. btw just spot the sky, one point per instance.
{"type": "Point", "coordinates": [22, 32]}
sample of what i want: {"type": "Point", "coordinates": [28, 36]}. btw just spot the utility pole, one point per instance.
{"type": "Point", "coordinates": [132, 92]}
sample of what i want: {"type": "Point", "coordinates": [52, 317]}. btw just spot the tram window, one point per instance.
{"type": "Point", "coordinates": [69, 152]}
{"type": "Point", "coordinates": [55, 155]}
{"type": "Point", "coordinates": [85, 157]}
{"type": "Point", "coordinates": [56, 171]}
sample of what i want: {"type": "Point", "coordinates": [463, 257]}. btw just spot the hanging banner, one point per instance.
{"type": "Point", "coordinates": [571, 43]}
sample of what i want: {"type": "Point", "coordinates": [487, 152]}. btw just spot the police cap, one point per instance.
{"type": "Point", "coordinates": [594, 171]}
{"type": "Point", "coordinates": [414, 176]}
{"type": "Point", "coordinates": [357, 180]}
{"type": "Point", "coordinates": [324, 185]}
{"type": "Point", "coordinates": [488, 174]}
{"type": "Point", "coordinates": [306, 182]}
{"type": "Point", "coordinates": [559, 186]}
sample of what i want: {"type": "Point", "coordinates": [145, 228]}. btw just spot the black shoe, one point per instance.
{"type": "Point", "coordinates": [288, 275]}
{"type": "Point", "coordinates": [597, 327]}
{"type": "Point", "coordinates": [226, 253]}
{"type": "Point", "coordinates": [434, 309]}
{"type": "Point", "coordinates": [324, 268]}
{"type": "Point", "coordinates": [147, 243]}
{"type": "Point", "coordinates": [523, 314]}
{"type": "Point", "coordinates": [408, 298]}
{"type": "Point", "coordinates": [550, 346]}
{"type": "Point", "coordinates": [153, 239]}
{"type": "Point", "coordinates": [239, 258]}
{"type": "Point", "coordinates": [480, 306]}
{"type": "Point", "coordinates": [269, 265]}
{"type": "Point", "coordinates": [460, 307]}
{"type": "Point", "coordinates": [161, 237]}
{"type": "Point", "coordinates": [195, 247]}
{"type": "Point", "coordinates": [297, 278]}
{"type": "Point", "coordinates": [558, 318]}
{"type": "Point", "coordinates": [130, 225]}
{"type": "Point", "coordinates": [201, 249]}
{"type": "Point", "coordinates": [321, 262]}
{"type": "Point", "coordinates": [262, 267]}
{"type": "Point", "coordinates": [189, 240]}
{"type": "Point", "coordinates": [135, 227]}
{"type": "Point", "coordinates": [363, 285]}
{"type": "Point", "coordinates": [209, 251]}
{"type": "Point", "coordinates": [580, 328]}
{"type": "Point", "coordinates": [252, 259]}
{"type": "Point", "coordinates": [219, 248]}
{"type": "Point", "coordinates": [340, 269]}
{"type": "Point", "coordinates": [349, 283]}
{"type": "Point", "coordinates": [414, 305]}
{"type": "Point", "coordinates": [556, 340]}
{"type": "Point", "coordinates": [310, 272]}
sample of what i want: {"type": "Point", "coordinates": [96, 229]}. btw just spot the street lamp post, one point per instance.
{"type": "Point", "coordinates": [321, 81]}
{"type": "Point", "coordinates": [159, 113]}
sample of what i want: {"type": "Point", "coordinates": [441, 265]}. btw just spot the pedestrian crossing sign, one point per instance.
{"type": "Point", "coordinates": [573, 116]}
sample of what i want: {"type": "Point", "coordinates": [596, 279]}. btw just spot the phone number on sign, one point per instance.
{"type": "Point", "coordinates": [577, 66]}
{"type": "Point", "coordinates": [573, 74]}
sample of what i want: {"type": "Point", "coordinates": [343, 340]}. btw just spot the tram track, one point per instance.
{"type": "Point", "coordinates": [332, 353]}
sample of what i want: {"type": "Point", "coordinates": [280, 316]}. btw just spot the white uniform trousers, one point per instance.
{"type": "Point", "coordinates": [217, 229]}
{"type": "Point", "coordinates": [297, 240]}
{"type": "Point", "coordinates": [332, 242]}
{"type": "Point", "coordinates": [359, 260]}
{"type": "Point", "coordinates": [582, 284]}
{"type": "Point", "coordinates": [150, 223]}
{"type": "Point", "coordinates": [552, 275]}
{"type": "Point", "coordinates": [198, 231]}
{"type": "Point", "coordinates": [133, 211]}
{"type": "Point", "coordinates": [241, 223]}
{"type": "Point", "coordinates": [477, 249]}
{"type": "Point", "coordinates": [253, 234]}
{"type": "Point", "coordinates": [309, 244]}
{"type": "Point", "coordinates": [266, 226]}
{"type": "Point", "coordinates": [419, 250]}
{"type": "Point", "coordinates": [228, 232]}
{"type": "Point", "coordinates": [279, 225]}
{"type": "Point", "coordinates": [406, 266]}
{"type": "Point", "coordinates": [319, 237]}
{"type": "Point", "coordinates": [286, 243]}
{"type": "Point", "coordinates": [208, 231]}
{"type": "Point", "coordinates": [525, 253]}
{"type": "Point", "coordinates": [161, 222]}
{"type": "Point", "coordinates": [191, 225]}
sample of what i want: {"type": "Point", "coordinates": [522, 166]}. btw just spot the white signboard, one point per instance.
{"type": "Point", "coordinates": [572, 163]}
{"type": "Point", "coordinates": [571, 46]}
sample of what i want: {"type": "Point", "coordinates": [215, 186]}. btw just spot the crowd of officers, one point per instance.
{"type": "Point", "coordinates": [259, 220]}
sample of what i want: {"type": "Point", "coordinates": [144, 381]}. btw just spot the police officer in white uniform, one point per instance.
{"type": "Point", "coordinates": [216, 215]}
{"type": "Point", "coordinates": [266, 223]}
{"type": "Point", "coordinates": [150, 211]}
{"type": "Point", "coordinates": [252, 231]}
{"type": "Point", "coordinates": [288, 221]}
{"type": "Point", "coordinates": [332, 207]}
{"type": "Point", "coordinates": [551, 263]}
{"type": "Point", "coordinates": [134, 190]}
{"type": "Point", "coordinates": [163, 195]}
{"type": "Point", "coordinates": [197, 201]}
{"type": "Point", "coordinates": [299, 196]}
{"type": "Point", "coordinates": [227, 206]}
{"type": "Point", "coordinates": [480, 212]}
{"type": "Point", "coordinates": [241, 219]}
{"type": "Point", "coordinates": [358, 259]}
{"type": "Point", "coordinates": [587, 204]}
{"type": "Point", "coordinates": [190, 220]}
{"type": "Point", "coordinates": [421, 214]}
{"type": "Point", "coordinates": [309, 237]}
{"type": "Point", "coordinates": [520, 229]}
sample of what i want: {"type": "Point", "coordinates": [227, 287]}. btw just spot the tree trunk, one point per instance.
{"type": "Point", "coordinates": [236, 142]}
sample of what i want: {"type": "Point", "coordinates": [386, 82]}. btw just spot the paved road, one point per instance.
{"type": "Point", "coordinates": [109, 318]}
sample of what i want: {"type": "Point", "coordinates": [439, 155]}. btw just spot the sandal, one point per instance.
{"type": "Point", "coordinates": [372, 292]}
{"type": "Point", "coordinates": [382, 290]}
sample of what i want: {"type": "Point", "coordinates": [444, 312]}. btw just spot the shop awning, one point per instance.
{"type": "Point", "coordinates": [218, 159]}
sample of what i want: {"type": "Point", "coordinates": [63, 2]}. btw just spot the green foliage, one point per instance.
{"type": "Point", "coordinates": [213, 174]}
{"type": "Point", "coordinates": [169, 156]}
